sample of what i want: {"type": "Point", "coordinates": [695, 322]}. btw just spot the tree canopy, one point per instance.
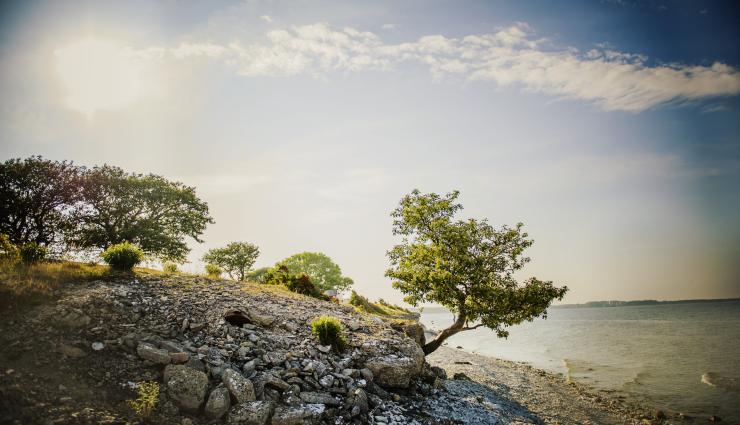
{"type": "Point", "coordinates": [147, 210]}
{"type": "Point", "coordinates": [37, 197]}
{"type": "Point", "coordinates": [466, 266]}
{"type": "Point", "coordinates": [324, 273]}
{"type": "Point", "coordinates": [236, 258]}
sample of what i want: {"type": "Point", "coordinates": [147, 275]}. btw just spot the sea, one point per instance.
{"type": "Point", "coordinates": [677, 357]}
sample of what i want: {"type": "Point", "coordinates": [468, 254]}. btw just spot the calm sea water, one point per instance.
{"type": "Point", "coordinates": [677, 357]}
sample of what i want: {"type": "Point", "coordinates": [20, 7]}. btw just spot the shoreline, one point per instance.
{"type": "Point", "coordinates": [548, 397]}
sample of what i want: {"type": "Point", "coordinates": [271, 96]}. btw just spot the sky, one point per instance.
{"type": "Point", "coordinates": [610, 128]}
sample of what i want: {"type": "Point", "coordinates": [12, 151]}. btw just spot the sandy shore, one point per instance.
{"type": "Point", "coordinates": [540, 396]}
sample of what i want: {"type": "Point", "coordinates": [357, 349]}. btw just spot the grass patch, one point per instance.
{"type": "Point", "coordinates": [381, 308]}
{"type": "Point", "coordinates": [34, 282]}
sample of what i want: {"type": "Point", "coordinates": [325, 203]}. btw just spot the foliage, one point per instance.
{"type": "Point", "coordinates": [329, 331]}
{"type": "Point", "coordinates": [466, 266]}
{"type": "Point", "coordinates": [37, 198]}
{"type": "Point", "coordinates": [278, 275]}
{"type": "Point", "coordinates": [148, 210]}
{"type": "Point", "coordinates": [169, 267]}
{"type": "Point", "coordinates": [213, 271]}
{"type": "Point", "coordinates": [302, 284]}
{"type": "Point", "coordinates": [324, 273]}
{"type": "Point", "coordinates": [381, 308]}
{"type": "Point", "coordinates": [258, 275]}
{"type": "Point", "coordinates": [148, 394]}
{"type": "Point", "coordinates": [384, 303]}
{"type": "Point", "coordinates": [236, 259]}
{"type": "Point", "coordinates": [123, 256]}
{"type": "Point", "coordinates": [8, 250]}
{"type": "Point", "coordinates": [32, 252]}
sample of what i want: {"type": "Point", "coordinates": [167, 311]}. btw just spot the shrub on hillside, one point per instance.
{"type": "Point", "coordinates": [329, 332]}
{"type": "Point", "coordinates": [8, 251]}
{"type": "Point", "coordinates": [123, 256]}
{"type": "Point", "coordinates": [169, 267]}
{"type": "Point", "coordinates": [278, 275]}
{"type": "Point", "coordinates": [213, 271]}
{"type": "Point", "coordinates": [32, 253]}
{"type": "Point", "coordinates": [302, 284]}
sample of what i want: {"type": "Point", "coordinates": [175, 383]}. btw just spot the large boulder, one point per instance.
{"type": "Point", "coordinates": [240, 387]}
{"type": "Point", "coordinates": [218, 403]}
{"type": "Point", "coordinates": [397, 370]}
{"type": "Point", "coordinates": [252, 413]}
{"type": "Point", "coordinates": [187, 387]}
{"type": "Point", "coordinates": [412, 329]}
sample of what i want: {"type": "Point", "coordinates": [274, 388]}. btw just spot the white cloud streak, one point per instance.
{"type": "Point", "coordinates": [511, 56]}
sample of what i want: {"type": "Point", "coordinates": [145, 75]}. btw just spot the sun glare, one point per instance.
{"type": "Point", "coordinates": [98, 75]}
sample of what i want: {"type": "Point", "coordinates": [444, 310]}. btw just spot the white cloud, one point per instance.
{"type": "Point", "coordinates": [510, 56]}
{"type": "Point", "coordinates": [267, 18]}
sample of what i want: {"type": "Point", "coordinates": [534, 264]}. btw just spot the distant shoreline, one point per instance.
{"type": "Point", "coordinates": [615, 303]}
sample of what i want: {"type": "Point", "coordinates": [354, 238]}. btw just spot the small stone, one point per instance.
{"type": "Point", "coordinates": [361, 400]}
{"type": "Point", "coordinates": [276, 382]}
{"type": "Point", "coordinates": [286, 415]}
{"type": "Point", "coordinates": [154, 355]}
{"type": "Point", "coordinates": [179, 358]}
{"type": "Point", "coordinates": [218, 403]}
{"type": "Point", "coordinates": [240, 387]}
{"type": "Point", "coordinates": [251, 413]}
{"type": "Point", "coordinates": [459, 376]}
{"type": "Point", "coordinates": [327, 381]}
{"type": "Point", "coordinates": [324, 348]}
{"type": "Point", "coordinates": [319, 398]}
{"type": "Point", "coordinates": [97, 346]}
{"type": "Point", "coordinates": [71, 351]}
{"type": "Point", "coordinates": [248, 368]}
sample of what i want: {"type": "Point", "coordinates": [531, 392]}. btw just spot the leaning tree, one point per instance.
{"type": "Point", "coordinates": [466, 266]}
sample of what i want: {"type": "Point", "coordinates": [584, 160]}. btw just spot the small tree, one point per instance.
{"type": "Point", "coordinates": [236, 259]}
{"type": "Point", "coordinates": [324, 273]}
{"type": "Point", "coordinates": [123, 256]}
{"type": "Point", "coordinates": [466, 266]}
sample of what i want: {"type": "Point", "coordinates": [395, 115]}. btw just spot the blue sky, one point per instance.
{"type": "Point", "coordinates": [609, 128]}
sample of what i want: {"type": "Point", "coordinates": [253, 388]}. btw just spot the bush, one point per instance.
{"type": "Point", "coordinates": [278, 275]}
{"type": "Point", "coordinates": [8, 251]}
{"type": "Point", "coordinates": [213, 271]}
{"type": "Point", "coordinates": [146, 400]}
{"type": "Point", "coordinates": [32, 253]}
{"type": "Point", "coordinates": [302, 284]}
{"type": "Point", "coordinates": [169, 267]}
{"type": "Point", "coordinates": [123, 256]}
{"type": "Point", "coordinates": [329, 331]}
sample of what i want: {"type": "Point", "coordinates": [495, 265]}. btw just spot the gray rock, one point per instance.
{"type": "Point", "coordinates": [327, 381]}
{"type": "Point", "coordinates": [287, 415]}
{"type": "Point", "coordinates": [171, 346]}
{"type": "Point", "coordinates": [319, 398]}
{"type": "Point", "coordinates": [276, 382]}
{"type": "Point", "coordinates": [367, 374]}
{"type": "Point", "coordinates": [154, 355]}
{"type": "Point", "coordinates": [361, 400]}
{"type": "Point", "coordinates": [187, 387]}
{"type": "Point", "coordinates": [251, 413]}
{"type": "Point", "coordinates": [240, 387]}
{"type": "Point", "coordinates": [394, 371]}
{"type": "Point", "coordinates": [218, 403]}
{"type": "Point", "coordinates": [74, 319]}
{"type": "Point", "coordinates": [262, 320]}
{"type": "Point", "coordinates": [248, 368]}
{"type": "Point", "coordinates": [97, 346]}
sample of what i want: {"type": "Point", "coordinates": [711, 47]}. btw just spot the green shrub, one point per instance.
{"type": "Point", "coordinates": [146, 401]}
{"type": "Point", "coordinates": [32, 253]}
{"type": "Point", "coordinates": [123, 256]}
{"type": "Point", "coordinates": [329, 332]}
{"type": "Point", "coordinates": [213, 271]}
{"type": "Point", "coordinates": [278, 275]}
{"type": "Point", "coordinates": [301, 284]}
{"type": "Point", "coordinates": [8, 251]}
{"type": "Point", "coordinates": [169, 267]}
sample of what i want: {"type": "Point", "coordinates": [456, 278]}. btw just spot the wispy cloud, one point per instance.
{"type": "Point", "coordinates": [512, 56]}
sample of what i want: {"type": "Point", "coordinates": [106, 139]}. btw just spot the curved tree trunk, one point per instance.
{"type": "Point", "coordinates": [452, 330]}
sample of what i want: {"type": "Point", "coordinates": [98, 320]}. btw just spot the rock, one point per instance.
{"type": "Point", "coordinates": [413, 330]}
{"type": "Point", "coordinates": [240, 387]}
{"type": "Point", "coordinates": [287, 415]}
{"type": "Point", "coordinates": [319, 398]}
{"type": "Point", "coordinates": [71, 351]}
{"type": "Point", "coordinates": [394, 372]}
{"type": "Point", "coordinates": [459, 376]}
{"type": "Point", "coordinates": [251, 413]}
{"type": "Point", "coordinates": [439, 372]}
{"type": "Point", "coordinates": [659, 414]}
{"type": "Point", "coordinates": [367, 374]}
{"type": "Point", "coordinates": [218, 403]}
{"type": "Point", "coordinates": [327, 381]}
{"type": "Point", "coordinates": [276, 382]}
{"type": "Point", "coordinates": [179, 358]}
{"type": "Point", "coordinates": [154, 355]}
{"type": "Point", "coordinates": [196, 364]}
{"type": "Point", "coordinates": [262, 320]}
{"type": "Point", "coordinates": [354, 325]}
{"type": "Point", "coordinates": [324, 348]}
{"type": "Point", "coordinates": [361, 400]}
{"type": "Point", "coordinates": [248, 368]}
{"type": "Point", "coordinates": [171, 346]}
{"type": "Point", "coordinates": [74, 319]}
{"type": "Point", "coordinates": [97, 346]}
{"type": "Point", "coordinates": [186, 386]}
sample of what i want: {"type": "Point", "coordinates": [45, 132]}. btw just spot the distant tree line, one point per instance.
{"type": "Point", "coordinates": [66, 208]}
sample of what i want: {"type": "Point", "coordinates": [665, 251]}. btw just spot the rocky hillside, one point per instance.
{"type": "Point", "coordinates": [222, 352]}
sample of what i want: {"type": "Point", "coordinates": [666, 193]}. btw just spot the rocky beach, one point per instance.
{"type": "Point", "coordinates": [242, 353]}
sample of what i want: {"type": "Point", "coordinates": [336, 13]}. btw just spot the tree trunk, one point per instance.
{"type": "Point", "coordinates": [452, 330]}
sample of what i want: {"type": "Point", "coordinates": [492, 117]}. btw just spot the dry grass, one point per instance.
{"type": "Point", "coordinates": [35, 282]}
